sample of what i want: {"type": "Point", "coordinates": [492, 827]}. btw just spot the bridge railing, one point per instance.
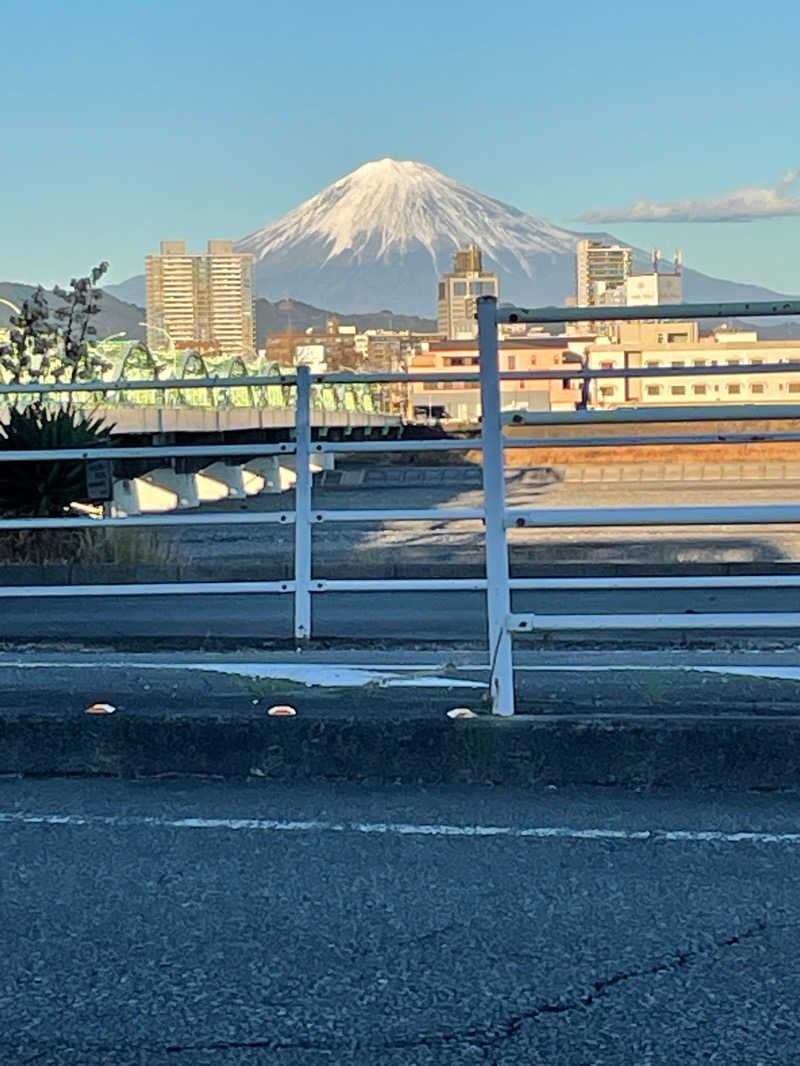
{"type": "Point", "coordinates": [498, 518]}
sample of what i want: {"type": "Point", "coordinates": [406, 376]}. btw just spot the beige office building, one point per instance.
{"type": "Point", "coordinates": [458, 294]}
{"type": "Point", "coordinates": [202, 298]}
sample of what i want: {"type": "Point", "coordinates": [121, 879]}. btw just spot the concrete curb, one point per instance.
{"type": "Point", "coordinates": [724, 752]}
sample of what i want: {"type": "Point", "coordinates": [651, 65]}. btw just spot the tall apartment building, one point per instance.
{"type": "Point", "coordinates": [203, 298]}
{"type": "Point", "coordinates": [602, 272]}
{"type": "Point", "coordinates": [459, 291]}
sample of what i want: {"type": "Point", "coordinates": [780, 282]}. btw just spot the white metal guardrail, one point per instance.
{"type": "Point", "coordinates": [502, 622]}
{"type": "Point", "coordinates": [497, 584]}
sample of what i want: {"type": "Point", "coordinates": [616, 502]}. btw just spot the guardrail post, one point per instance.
{"type": "Point", "coordinates": [302, 508]}
{"type": "Point", "coordinates": [498, 595]}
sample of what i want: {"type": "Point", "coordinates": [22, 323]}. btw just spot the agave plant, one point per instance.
{"type": "Point", "coordinates": [45, 488]}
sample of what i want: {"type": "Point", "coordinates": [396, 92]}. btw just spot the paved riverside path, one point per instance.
{"type": "Point", "coordinates": [416, 616]}
{"type": "Point", "coordinates": [161, 923]}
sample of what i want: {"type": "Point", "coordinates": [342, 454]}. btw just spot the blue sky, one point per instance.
{"type": "Point", "coordinates": [127, 122]}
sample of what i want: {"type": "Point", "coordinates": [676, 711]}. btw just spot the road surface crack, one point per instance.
{"type": "Point", "coordinates": [489, 1035]}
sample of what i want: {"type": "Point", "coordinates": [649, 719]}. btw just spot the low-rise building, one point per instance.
{"type": "Point", "coordinates": [460, 401]}
{"type": "Point", "coordinates": [723, 349]}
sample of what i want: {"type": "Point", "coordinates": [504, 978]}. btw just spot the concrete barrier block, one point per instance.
{"type": "Point", "coordinates": [274, 475]}
{"type": "Point", "coordinates": [182, 486]}
{"type": "Point", "coordinates": [154, 498]}
{"type": "Point", "coordinates": [220, 482]}
{"type": "Point", "coordinates": [125, 499]}
{"type": "Point", "coordinates": [253, 483]}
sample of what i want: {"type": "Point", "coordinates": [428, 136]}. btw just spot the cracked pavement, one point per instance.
{"type": "Point", "coordinates": [150, 944]}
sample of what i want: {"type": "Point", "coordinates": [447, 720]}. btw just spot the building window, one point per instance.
{"type": "Point", "coordinates": [456, 360]}
{"type": "Point", "coordinates": [678, 390]}
{"type": "Point", "coordinates": [734, 390]}
{"type": "Point", "coordinates": [677, 362]}
{"type": "Point", "coordinates": [676, 338]}
{"type": "Point", "coordinates": [699, 390]}
{"type": "Point", "coordinates": [606, 391]}
{"type": "Point", "coordinates": [512, 362]}
{"type": "Point", "coordinates": [652, 362]}
{"type": "Point", "coordinates": [459, 288]}
{"type": "Point", "coordinates": [653, 390]}
{"type": "Point", "coordinates": [442, 290]}
{"type": "Point", "coordinates": [481, 288]}
{"type": "Point", "coordinates": [699, 362]}
{"type": "Point", "coordinates": [733, 362]}
{"type": "Point", "coordinates": [757, 389]}
{"type": "Point", "coordinates": [794, 387]}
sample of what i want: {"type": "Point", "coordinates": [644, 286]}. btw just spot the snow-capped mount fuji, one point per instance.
{"type": "Point", "coordinates": [380, 236]}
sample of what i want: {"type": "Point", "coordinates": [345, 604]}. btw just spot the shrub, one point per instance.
{"type": "Point", "coordinates": [45, 488]}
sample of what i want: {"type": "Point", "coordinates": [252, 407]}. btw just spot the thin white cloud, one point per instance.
{"type": "Point", "coordinates": [742, 205]}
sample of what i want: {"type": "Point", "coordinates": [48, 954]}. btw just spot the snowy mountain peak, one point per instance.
{"type": "Point", "coordinates": [389, 207]}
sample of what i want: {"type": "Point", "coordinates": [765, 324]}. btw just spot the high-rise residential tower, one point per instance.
{"type": "Point", "coordinates": [459, 291]}
{"type": "Point", "coordinates": [203, 298]}
{"type": "Point", "coordinates": [602, 271]}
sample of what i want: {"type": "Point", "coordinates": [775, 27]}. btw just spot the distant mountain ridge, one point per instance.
{"type": "Point", "coordinates": [115, 315]}
{"type": "Point", "coordinates": [118, 316]}
{"type": "Point", "coordinates": [282, 315]}
{"type": "Point", "coordinates": [382, 235]}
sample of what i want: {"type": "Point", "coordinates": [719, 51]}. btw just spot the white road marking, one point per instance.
{"type": "Point", "coordinates": [326, 675]}
{"type": "Point", "coordinates": [269, 825]}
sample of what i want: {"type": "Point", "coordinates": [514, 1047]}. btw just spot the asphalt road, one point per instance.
{"type": "Point", "coordinates": [147, 924]}
{"type": "Point", "coordinates": [444, 616]}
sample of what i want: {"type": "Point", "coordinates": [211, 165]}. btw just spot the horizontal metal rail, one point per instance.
{"type": "Point", "coordinates": [207, 518]}
{"type": "Point", "coordinates": [336, 585]}
{"type": "Point", "coordinates": [450, 444]}
{"type": "Point", "coordinates": [585, 517]}
{"type": "Point", "coordinates": [528, 623]}
{"type": "Point", "coordinates": [600, 374]}
{"type": "Point", "coordinates": [558, 584]}
{"type": "Point", "coordinates": [565, 372]}
{"type": "Point", "coordinates": [700, 581]}
{"type": "Point", "coordinates": [411, 584]}
{"type": "Point", "coordinates": [689, 412]}
{"type": "Point", "coordinates": [749, 309]}
{"type": "Point", "coordinates": [385, 514]}
{"type": "Point", "coordinates": [145, 385]}
{"type": "Point", "coordinates": [663, 438]}
{"type": "Point", "coordinates": [167, 588]}
{"type": "Point", "coordinates": [156, 451]}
